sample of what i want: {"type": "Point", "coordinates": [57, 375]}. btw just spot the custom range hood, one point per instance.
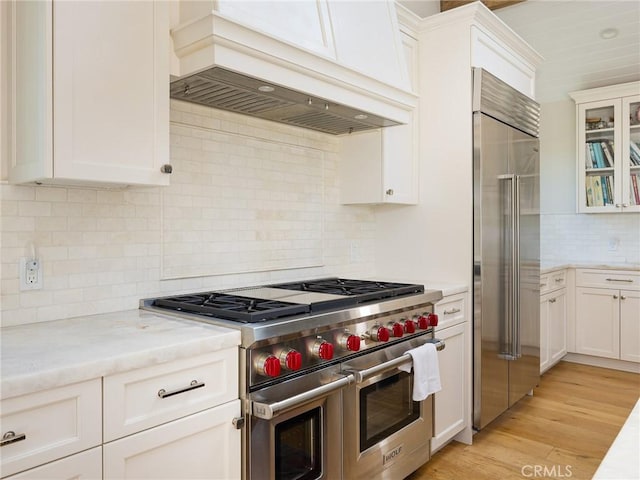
{"type": "Point", "coordinates": [333, 66]}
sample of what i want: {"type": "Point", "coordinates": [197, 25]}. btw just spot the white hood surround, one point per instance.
{"type": "Point", "coordinates": [341, 57]}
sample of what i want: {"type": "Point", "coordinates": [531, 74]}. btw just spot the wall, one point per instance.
{"type": "Point", "coordinates": [568, 237]}
{"type": "Point", "coordinates": [103, 250]}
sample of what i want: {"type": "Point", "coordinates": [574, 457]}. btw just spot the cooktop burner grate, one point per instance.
{"type": "Point", "coordinates": [232, 307]}
{"type": "Point", "coordinates": [363, 290]}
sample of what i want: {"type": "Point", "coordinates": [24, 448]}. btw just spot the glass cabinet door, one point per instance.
{"type": "Point", "coordinates": [599, 185]}
{"type": "Point", "coordinates": [631, 152]}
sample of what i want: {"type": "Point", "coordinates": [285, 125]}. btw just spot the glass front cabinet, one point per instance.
{"type": "Point", "coordinates": [608, 148]}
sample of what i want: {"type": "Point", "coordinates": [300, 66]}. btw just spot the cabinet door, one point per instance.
{"type": "Point", "coordinates": [81, 466]}
{"type": "Point", "coordinates": [203, 445]}
{"type": "Point", "coordinates": [50, 424]}
{"type": "Point", "coordinates": [631, 153]}
{"type": "Point", "coordinates": [449, 403]}
{"type": "Point", "coordinates": [111, 91]}
{"type": "Point", "coordinates": [544, 333]}
{"type": "Point", "coordinates": [599, 162]}
{"type": "Point", "coordinates": [557, 339]}
{"type": "Point", "coordinates": [597, 322]}
{"type": "Point", "coordinates": [630, 325]}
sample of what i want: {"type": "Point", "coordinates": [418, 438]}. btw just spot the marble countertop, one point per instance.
{"type": "Point", "coordinates": [612, 266]}
{"type": "Point", "coordinates": [621, 461]}
{"type": "Point", "coordinates": [44, 355]}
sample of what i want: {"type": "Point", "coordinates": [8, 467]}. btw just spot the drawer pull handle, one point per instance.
{"type": "Point", "coordinates": [619, 280]}
{"type": "Point", "coordinates": [552, 300]}
{"type": "Point", "coordinates": [162, 393]}
{"type": "Point", "coordinates": [558, 280]}
{"type": "Point", "coordinates": [452, 311]}
{"type": "Point", "coordinates": [11, 437]}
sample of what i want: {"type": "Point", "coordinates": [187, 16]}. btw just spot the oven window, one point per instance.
{"type": "Point", "coordinates": [298, 447]}
{"type": "Point", "coordinates": [386, 407]}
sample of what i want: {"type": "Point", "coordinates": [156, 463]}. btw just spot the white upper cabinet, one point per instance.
{"type": "Point", "coordinates": [91, 92]}
{"type": "Point", "coordinates": [381, 166]}
{"type": "Point", "coordinates": [608, 148]}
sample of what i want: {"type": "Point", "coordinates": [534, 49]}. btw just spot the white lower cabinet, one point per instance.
{"type": "Point", "coordinates": [449, 404]}
{"type": "Point", "coordinates": [202, 445]}
{"type": "Point", "coordinates": [81, 466]}
{"type": "Point", "coordinates": [44, 426]}
{"type": "Point", "coordinates": [553, 328]}
{"type": "Point", "coordinates": [608, 319]}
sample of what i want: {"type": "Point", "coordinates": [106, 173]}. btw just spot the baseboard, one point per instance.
{"type": "Point", "coordinates": [602, 362]}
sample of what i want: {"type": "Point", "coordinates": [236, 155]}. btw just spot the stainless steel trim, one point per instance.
{"type": "Point", "coordinates": [255, 333]}
{"type": "Point", "coordinates": [162, 393]}
{"type": "Point", "coordinates": [516, 274]}
{"type": "Point", "coordinates": [502, 102]}
{"type": "Point", "coordinates": [619, 280]}
{"type": "Point", "coordinates": [363, 375]}
{"type": "Point", "coordinates": [11, 437]}
{"type": "Point", "coordinates": [267, 411]}
{"type": "Point", "coordinates": [227, 90]}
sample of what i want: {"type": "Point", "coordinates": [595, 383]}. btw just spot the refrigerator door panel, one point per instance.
{"type": "Point", "coordinates": [524, 373]}
{"type": "Point", "coordinates": [492, 273]}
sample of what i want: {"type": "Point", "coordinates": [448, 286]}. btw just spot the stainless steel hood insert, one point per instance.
{"type": "Point", "coordinates": [221, 88]}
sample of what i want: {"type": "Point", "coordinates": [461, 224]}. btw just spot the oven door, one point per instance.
{"type": "Point", "coordinates": [386, 434]}
{"type": "Point", "coordinates": [295, 429]}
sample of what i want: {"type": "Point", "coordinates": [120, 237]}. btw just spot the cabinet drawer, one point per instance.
{"type": "Point", "coordinates": [552, 281]}
{"type": "Point", "coordinates": [629, 280]}
{"type": "Point", "coordinates": [81, 466]}
{"type": "Point", "coordinates": [55, 423]}
{"type": "Point", "coordinates": [144, 398]}
{"type": "Point", "coordinates": [450, 311]}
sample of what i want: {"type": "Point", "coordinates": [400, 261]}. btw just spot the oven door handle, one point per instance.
{"type": "Point", "coordinates": [267, 411]}
{"type": "Point", "coordinates": [362, 375]}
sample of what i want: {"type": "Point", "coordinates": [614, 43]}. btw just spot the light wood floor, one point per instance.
{"type": "Point", "coordinates": [567, 426]}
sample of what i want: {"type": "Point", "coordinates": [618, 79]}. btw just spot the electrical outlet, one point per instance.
{"type": "Point", "coordinates": [30, 274]}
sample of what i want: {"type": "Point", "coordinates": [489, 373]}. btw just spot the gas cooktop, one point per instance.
{"type": "Point", "coordinates": [271, 302]}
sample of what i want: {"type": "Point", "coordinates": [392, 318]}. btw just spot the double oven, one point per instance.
{"type": "Point", "coordinates": [322, 390]}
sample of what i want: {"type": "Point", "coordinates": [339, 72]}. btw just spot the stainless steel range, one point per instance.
{"type": "Point", "coordinates": [319, 378]}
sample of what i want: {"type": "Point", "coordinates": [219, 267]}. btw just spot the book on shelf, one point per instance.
{"type": "Point", "coordinates": [588, 158]}
{"type": "Point", "coordinates": [634, 153]}
{"type": "Point", "coordinates": [601, 153]}
{"type": "Point", "coordinates": [598, 199]}
{"type": "Point", "coordinates": [635, 180]}
{"type": "Point", "coordinates": [589, 190]}
{"type": "Point", "coordinates": [608, 153]}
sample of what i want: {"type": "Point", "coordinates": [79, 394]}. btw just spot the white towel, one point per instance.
{"type": "Point", "coordinates": [426, 372]}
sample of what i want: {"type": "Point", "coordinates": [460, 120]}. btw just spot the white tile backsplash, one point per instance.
{"type": "Point", "coordinates": [250, 202]}
{"type": "Point", "coordinates": [585, 238]}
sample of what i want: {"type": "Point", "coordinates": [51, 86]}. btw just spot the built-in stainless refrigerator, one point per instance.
{"type": "Point", "coordinates": [506, 247]}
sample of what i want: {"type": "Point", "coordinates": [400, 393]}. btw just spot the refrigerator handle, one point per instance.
{"type": "Point", "coordinates": [517, 345]}
{"type": "Point", "coordinates": [511, 352]}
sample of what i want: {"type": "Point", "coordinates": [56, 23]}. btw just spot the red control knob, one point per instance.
{"type": "Point", "coordinates": [380, 334]}
{"type": "Point", "coordinates": [350, 342]}
{"type": "Point", "coordinates": [397, 330]}
{"type": "Point", "coordinates": [291, 359]}
{"type": "Point", "coordinates": [269, 366]}
{"type": "Point", "coordinates": [323, 350]}
{"type": "Point", "coordinates": [427, 320]}
{"type": "Point", "coordinates": [409, 326]}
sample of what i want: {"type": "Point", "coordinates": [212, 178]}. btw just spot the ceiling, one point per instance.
{"type": "Point", "coordinates": [567, 34]}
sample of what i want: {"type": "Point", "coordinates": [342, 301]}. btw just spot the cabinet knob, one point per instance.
{"type": "Point", "coordinates": [615, 296]}
{"type": "Point", "coordinates": [625, 205]}
{"type": "Point", "coordinates": [166, 168]}
{"type": "Point", "coordinates": [389, 191]}
{"type": "Point", "coordinates": [622, 297]}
